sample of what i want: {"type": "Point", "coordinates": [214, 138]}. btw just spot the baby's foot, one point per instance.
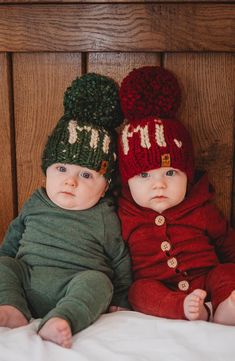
{"type": "Point", "coordinates": [194, 308]}
{"type": "Point", "coordinates": [11, 317]}
{"type": "Point", "coordinates": [225, 312]}
{"type": "Point", "coordinates": [58, 331]}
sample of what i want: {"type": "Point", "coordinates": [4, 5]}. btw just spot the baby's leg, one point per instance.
{"type": "Point", "coordinates": [14, 310]}
{"type": "Point", "coordinates": [194, 307]}
{"type": "Point", "coordinates": [58, 331]}
{"type": "Point", "coordinates": [88, 295]}
{"type": "Point", "coordinates": [11, 317]}
{"type": "Point", "coordinates": [225, 312]}
{"type": "Point", "coordinates": [152, 297]}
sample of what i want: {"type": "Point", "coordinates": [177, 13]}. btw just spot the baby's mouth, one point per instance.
{"type": "Point", "coordinates": [67, 193]}
{"type": "Point", "coordinates": [159, 197]}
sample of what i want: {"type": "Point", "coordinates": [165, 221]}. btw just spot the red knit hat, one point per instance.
{"type": "Point", "coordinates": [150, 97]}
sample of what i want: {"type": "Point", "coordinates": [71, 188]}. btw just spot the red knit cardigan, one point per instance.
{"type": "Point", "coordinates": [199, 236]}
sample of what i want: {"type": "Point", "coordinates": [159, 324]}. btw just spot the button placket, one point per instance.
{"type": "Point", "coordinates": [171, 261]}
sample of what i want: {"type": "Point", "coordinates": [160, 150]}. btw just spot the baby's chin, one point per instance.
{"type": "Point", "coordinates": [158, 207]}
{"type": "Point", "coordinates": [70, 206]}
{"type": "Point", "coordinates": [158, 210]}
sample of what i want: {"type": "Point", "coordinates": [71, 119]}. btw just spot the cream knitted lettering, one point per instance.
{"type": "Point", "coordinates": [106, 143]}
{"type": "Point", "coordinates": [159, 134]}
{"type": "Point", "coordinates": [94, 138]}
{"type": "Point", "coordinates": [144, 137]}
{"type": "Point", "coordinates": [94, 135]}
{"type": "Point", "coordinates": [72, 131]}
{"type": "Point", "coordinates": [125, 139]}
{"type": "Point", "coordinates": [178, 143]}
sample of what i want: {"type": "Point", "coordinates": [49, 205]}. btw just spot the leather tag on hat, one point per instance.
{"type": "Point", "coordinates": [166, 160]}
{"type": "Point", "coordinates": [103, 167]}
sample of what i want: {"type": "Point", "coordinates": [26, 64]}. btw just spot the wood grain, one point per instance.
{"type": "Point", "coordinates": [117, 27]}
{"type": "Point", "coordinates": [118, 65]}
{"type": "Point", "coordinates": [7, 196]}
{"type": "Point", "coordinates": [39, 84]}
{"type": "Point", "coordinates": [207, 110]}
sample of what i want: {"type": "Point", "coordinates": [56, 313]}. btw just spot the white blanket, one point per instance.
{"type": "Point", "coordinates": [125, 336]}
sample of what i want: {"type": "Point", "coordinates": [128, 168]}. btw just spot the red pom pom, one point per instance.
{"type": "Point", "coordinates": [150, 91]}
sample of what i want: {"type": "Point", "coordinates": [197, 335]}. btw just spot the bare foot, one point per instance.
{"type": "Point", "coordinates": [225, 312]}
{"type": "Point", "coordinates": [194, 308]}
{"type": "Point", "coordinates": [58, 331]}
{"type": "Point", "coordinates": [11, 317]}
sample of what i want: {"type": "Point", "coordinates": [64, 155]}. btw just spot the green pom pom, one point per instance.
{"type": "Point", "coordinates": [94, 99]}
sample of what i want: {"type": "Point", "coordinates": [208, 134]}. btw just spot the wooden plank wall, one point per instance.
{"type": "Point", "coordinates": [44, 45]}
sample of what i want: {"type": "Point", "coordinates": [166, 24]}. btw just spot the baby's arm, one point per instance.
{"type": "Point", "coordinates": [12, 237]}
{"type": "Point", "coordinates": [221, 234]}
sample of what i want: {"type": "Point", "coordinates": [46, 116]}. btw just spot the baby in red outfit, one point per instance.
{"type": "Point", "coordinates": [182, 248]}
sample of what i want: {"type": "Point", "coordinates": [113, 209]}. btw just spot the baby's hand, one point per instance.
{"type": "Point", "coordinates": [117, 308]}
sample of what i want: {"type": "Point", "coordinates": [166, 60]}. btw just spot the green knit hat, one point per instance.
{"type": "Point", "coordinates": [85, 135]}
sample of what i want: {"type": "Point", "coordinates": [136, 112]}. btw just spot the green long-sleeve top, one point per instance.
{"type": "Point", "coordinates": [46, 235]}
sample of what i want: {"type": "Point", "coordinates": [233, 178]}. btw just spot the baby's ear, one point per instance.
{"type": "Point", "coordinates": [107, 187]}
{"type": "Point", "coordinates": [105, 190]}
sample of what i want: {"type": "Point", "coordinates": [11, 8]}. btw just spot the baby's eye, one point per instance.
{"type": "Point", "coordinates": [61, 168]}
{"type": "Point", "coordinates": [86, 175]}
{"type": "Point", "coordinates": [170, 172]}
{"type": "Point", "coordinates": [144, 175]}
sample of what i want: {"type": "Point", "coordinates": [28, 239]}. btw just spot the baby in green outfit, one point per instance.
{"type": "Point", "coordinates": [63, 258]}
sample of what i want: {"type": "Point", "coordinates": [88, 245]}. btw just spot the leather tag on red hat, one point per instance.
{"type": "Point", "coordinates": [166, 160]}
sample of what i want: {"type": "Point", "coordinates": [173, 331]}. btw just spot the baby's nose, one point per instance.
{"type": "Point", "coordinates": [72, 181]}
{"type": "Point", "coordinates": [159, 183]}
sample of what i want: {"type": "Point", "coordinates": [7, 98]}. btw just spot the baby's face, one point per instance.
{"type": "Point", "coordinates": [73, 187]}
{"type": "Point", "coordinates": [159, 189]}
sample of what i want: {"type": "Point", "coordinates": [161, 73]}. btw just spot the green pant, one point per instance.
{"type": "Point", "coordinates": [46, 292]}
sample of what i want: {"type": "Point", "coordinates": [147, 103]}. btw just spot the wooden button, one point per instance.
{"type": "Point", "coordinates": [183, 285]}
{"type": "Point", "coordinates": [159, 220]}
{"type": "Point", "coordinates": [165, 246]}
{"type": "Point", "coordinates": [172, 262]}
